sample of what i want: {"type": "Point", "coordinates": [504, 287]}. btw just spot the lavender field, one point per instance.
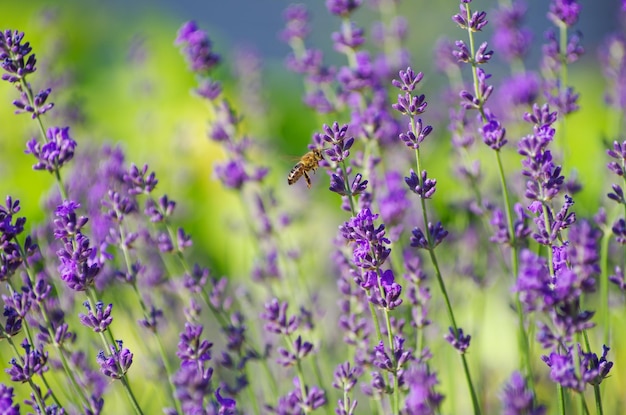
{"type": "Point", "coordinates": [370, 229]}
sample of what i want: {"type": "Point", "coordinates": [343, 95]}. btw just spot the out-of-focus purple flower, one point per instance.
{"type": "Point", "coordinates": [13, 323]}
{"type": "Point", "coordinates": [33, 362]}
{"type": "Point", "coordinates": [98, 321]}
{"type": "Point", "coordinates": [209, 89]}
{"type": "Point", "coordinates": [564, 12]}
{"type": "Point", "coordinates": [139, 181]}
{"type": "Point", "coordinates": [116, 364]}
{"type": "Point", "coordinates": [345, 376]}
{"type": "Point", "coordinates": [510, 39]}
{"type": "Point", "coordinates": [158, 211]}
{"type": "Point", "coordinates": [458, 340]}
{"type": "Point", "coordinates": [501, 231]}
{"type": "Point", "coordinates": [232, 174]}
{"type": "Point", "coordinates": [227, 405]}
{"type": "Point", "coordinates": [151, 318]}
{"type": "Point", "coordinates": [618, 278]}
{"type": "Point", "coordinates": [612, 56]}
{"type": "Point", "coordinates": [6, 401]}
{"type": "Point", "coordinates": [444, 58]}
{"type": "Point", "coordinates": [197, 48]}
{"type": "Point", "coordinates": [342, 8]}
{"type": "Point", "coordinates": [619, 231]}
{"type": "Point", "coordinates": [55, 152]}
{"type": "Point", "coordinates": [617, 195]}
{"type": "Point", "coordinates": [277, 320]}
{"type": "Point", "coordinates": [349, 38]}
{"type": "Point", "coordinates": [393, 203]}
{"type": "Point", "coordinates": [422, 399]}
{"type": "Point", "coordinates": [437, 235]}
{"type": "Point", "coordinates": [297, 23]}
{"type": "Point", "coordinates": [517, 399]}
{"type": "Point", "coordinates": [301, 349]}
{"type": "Point", "coordinates": [191, 347]}
{"type": "Point", "coordinates": [619, 154]}
{"type": "Point", "coordinates": [519, 90]}
{"type": "Point", "coordinates": [566, 101]}
{"type": "Point", "coordinates": [193, 385]}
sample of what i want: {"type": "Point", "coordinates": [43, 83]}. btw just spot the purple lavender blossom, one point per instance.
{"type": "Point", "coordinates": [476, 21]}
{"type": "Point", "coordinates": [612, 57]}
{"type": "Point", "coordinates": [510, 39]}
{"type": "Point", "coordinates": [197, 48]}
{"type": "Point", "coordinates": [618, 279]}
{"type": "Point", "coordinates": [564, 11]}
{"type": "Point", "coordinates": [139, 181]}
{"type": "Point", "coordinates": [98, 321]}
{"type": "Point", "coordinates": [436, 232]}
{"type": "Point", "coordinates": [277, 320]}
{"type": "Point", "coordinates": [13, 323]}
{"type": "Point", "coordinates": [345, 376]}
{"type": "Point", "coordinates": [493, 134]}
{"type": "Point", "coordinates": [370, 243]}
{"type": "Point", "coordinates": [592, 370]}
{"type": "Point", "coordinates": [301, 349]}
{"type": "Point", "coordinates": [422, 398]}
{"type": "Point", "coordinates": [227, 406]}
{"type": "Point", "coordinates": [191, 348]}
{"type": "Point", "coordinates": [55, 152]}
{"type": "Point", "coordinates": [33, 362]}
{"type": "Point", "coordinates": [6, 401]}
{"type": "Point", "coordinates": [116, 364]}
{"type": "Point", "coordinates": [16, 57]}
{"type": "Point", "coordinates": [424, 188]}
{"type": "Point", "coordinates": [517, 399]}
{"type": "Point", "coordinates": [296, 17]}
{"type": "Point", "coordinates": [458, 340]}
{"type": "Point", "coordinates": [342, 8]}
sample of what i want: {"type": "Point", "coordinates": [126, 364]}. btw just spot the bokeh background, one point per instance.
{"type": "Point", "coordinates": [118, 78]}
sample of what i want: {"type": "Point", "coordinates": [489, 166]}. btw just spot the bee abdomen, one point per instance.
{"type": "Point", "coordinates": [295, 174]}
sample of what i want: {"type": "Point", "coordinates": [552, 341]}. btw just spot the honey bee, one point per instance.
{"type": "Point", "coordinates": [308, 162]}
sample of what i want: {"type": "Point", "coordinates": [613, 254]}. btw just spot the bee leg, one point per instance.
{"type": "Point", "coordinates": [308, 180]}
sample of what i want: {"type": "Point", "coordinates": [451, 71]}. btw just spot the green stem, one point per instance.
{"type": "Point", "coordinates": [442, 287]}
{"type": "Point", "coordinates": [522, 335]}
{"type": "Point", "coordinates": [604, 286]}
{"type": "Point", "coordinates": [561, 399]}
{"type": "Point", "coordinates": [598, 399]}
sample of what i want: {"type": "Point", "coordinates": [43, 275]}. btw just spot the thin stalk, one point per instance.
{"type": "Point", "coordinates": [522, 335]}
{"type": "Point", "coordinates": [442, 286]}
{"type": "Point", "coordinates": [48, 324]}
{"type": "Point", "coordinates": [598, 399]}
{"type": "Point", "coordinates": [561, 398]}
{"type": "Point", "coordinates": [604, 285]}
